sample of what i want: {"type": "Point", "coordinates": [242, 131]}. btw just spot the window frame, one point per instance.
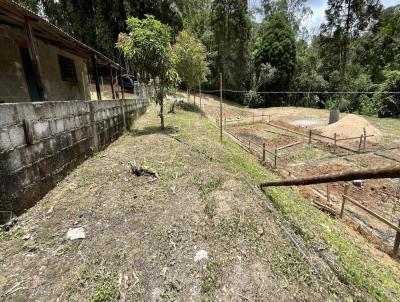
{"type": "Point", "coordinates": [65, 62]}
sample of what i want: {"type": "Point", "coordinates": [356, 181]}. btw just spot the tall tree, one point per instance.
{"type": "Point", "coordinates": [191, 59]}
{"type": "Point", "coordinates": [346, 20]}
{"type": "Point", "coordinates": [296, 11]}
{"type": "Point", "coordinates": [231, 32]}
{"type": "Point", "coordinates": [276, 46]}
{"type": "Point", "coordinates": [147, 45]}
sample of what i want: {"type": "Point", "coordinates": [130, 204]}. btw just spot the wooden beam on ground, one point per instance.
{"type": "Point", "coordinates": [347, 176]}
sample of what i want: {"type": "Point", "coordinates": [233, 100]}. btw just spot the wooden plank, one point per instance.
{"type": "Point", "coordinates": [377, 216]}
{"type": "Point", "coordinates": [288, 146]}
{"type": "Point", "coordinates": [347, 176]}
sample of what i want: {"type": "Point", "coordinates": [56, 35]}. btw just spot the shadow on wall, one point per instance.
{"type": "Point", "coordinates": [40, 143]}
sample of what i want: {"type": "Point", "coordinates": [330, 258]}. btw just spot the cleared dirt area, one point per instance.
{"type": "Point", "coordinates": [279, 127]}
{"type": "Point", "coordinates": [144, 235]}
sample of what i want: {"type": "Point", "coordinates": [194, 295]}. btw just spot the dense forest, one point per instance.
{"type": "Point", "coordinates": [351, 63]}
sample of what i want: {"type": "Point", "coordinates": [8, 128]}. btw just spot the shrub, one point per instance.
{"type": "Point", "coordinates": [389, 104]}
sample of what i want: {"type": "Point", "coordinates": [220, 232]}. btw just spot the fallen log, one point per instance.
{"type": "Point", "coordinates": [347, 176]}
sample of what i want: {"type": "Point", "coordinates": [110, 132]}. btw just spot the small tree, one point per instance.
{"type": "Point", "coordinates": [147, 46]}
{"type": "Point", "coordinates": [191, 59]}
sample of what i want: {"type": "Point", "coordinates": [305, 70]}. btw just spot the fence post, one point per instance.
{"type": "Point", "coordinates": [263, 152]}
{"type": "Point", "coordinates": [365, 139]}
{"type": "Point", "coordinates": [334, 147]}
{"type": "Point", "coordinates": [276, 155]}
{"type": "Point", "coordinates": [328, 193]}
{"type": "Point", "coordinates": [359, 145]}
{"type": "Point", "coordinates": [396, 244]}
{"type": "Point", "coordinates": [346, 189]}
{"type": "Point", "coordinates": [309, 136]}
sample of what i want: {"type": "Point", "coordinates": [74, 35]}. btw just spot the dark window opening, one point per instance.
{"type": "Point", "coordinates": [67, 68]}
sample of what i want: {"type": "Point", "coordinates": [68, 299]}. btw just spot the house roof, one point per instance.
{"type": "Point", "coordinates": [14, 14]}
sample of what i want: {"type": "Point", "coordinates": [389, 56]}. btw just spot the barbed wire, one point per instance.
{"type": "Point", "coordinates": [302, 92]}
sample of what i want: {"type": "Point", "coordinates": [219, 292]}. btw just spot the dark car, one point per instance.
{"type": "Point", "coordinates": [128, 81]}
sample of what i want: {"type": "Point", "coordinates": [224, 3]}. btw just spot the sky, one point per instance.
{"type": "Point", "coordinates": [318, 7]}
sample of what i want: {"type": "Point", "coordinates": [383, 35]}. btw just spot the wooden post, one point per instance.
{"type": "Point", "coordinates": [264, 152]}
{"type": "Point", "coordinates": [346, 189]}
{"type": "Point", "coordinates": [220, 106]}
{"type": "Point", "coordinates": [250, 146]}
{"type": "Point", "coordinates": [365, 139]}
{"type": "Point", "coordinates": [334, 147]}
{"type": "Point", "coordinates": [83, 84]}
{"type": "Point", "coordinates": [112, 82]}
{"type": "Point", "coordinates": [122, 84]}
{"type": "Point", "coordinates": [96, 76]}
{"type": "Point", "coordinates": [275, 159]}
{"type": "Point", "coordinates": [34, 56]}
{"type": "Point", "coordinates": [396, 244]}
{"type": "Point", "coordinates": [200, 93]}
{"type": "Point", "coordinates": [328, 193]}
{"type": "Point", "coordinates": [262, 118]}
{"type": "Point", "coordinates": [309, 137]}
{"type": "Point", "coordinates": [253, 118]}
{"type": "Point", "coordinates": [359, 145]}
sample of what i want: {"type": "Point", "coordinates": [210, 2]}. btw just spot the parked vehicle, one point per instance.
{"type": "Point", "coordinates": [128, 81]}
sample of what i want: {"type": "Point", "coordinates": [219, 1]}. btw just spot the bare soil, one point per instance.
{"type": "Point", "coordinates": [381, 196]}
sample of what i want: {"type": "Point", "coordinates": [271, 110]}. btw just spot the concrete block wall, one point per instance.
{"type": "Point", "coordinates": [41, 142]}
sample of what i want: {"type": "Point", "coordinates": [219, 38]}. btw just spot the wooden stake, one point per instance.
{"type": "Point", "coordinates": [359, 145]}
{"type": "Point", "coordinates": [365, 139]}
{"type": "Point", "coordinates": [220, 107]}
{"type": "Point", "coordinates": [309, 137]}
{"type": "Point", "coordinates": [264, 152]}
{"type": "Point", "coordinates": [335, 139]}
{"type": "Point", "coordinates": [396, 244]}
{"type": "Point", "coordinates": [346, 188]}
{"type": "Point", "coordinates": [328, 193]}
{"type": "Point", "coordinates": [275, 158]}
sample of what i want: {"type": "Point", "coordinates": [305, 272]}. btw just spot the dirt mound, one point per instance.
{"type": "Point", "coordinates": [350, 126]}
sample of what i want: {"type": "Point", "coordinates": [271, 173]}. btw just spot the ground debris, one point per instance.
{"type": "Point", "coordinates": [77, 233]}
{"type": "Point", "coordinates": [143, 171]}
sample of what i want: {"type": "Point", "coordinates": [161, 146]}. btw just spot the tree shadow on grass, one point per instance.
{"type": "Point", "coordinates": [153, 130]}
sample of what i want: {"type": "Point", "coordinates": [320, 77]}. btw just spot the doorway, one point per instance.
{"type": "Point", "coordinates": [33, 88]}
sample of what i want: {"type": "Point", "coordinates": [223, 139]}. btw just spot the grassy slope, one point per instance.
{"type": "Point", "coordinates": [147, 233]}
{"type": "Point", "coordinates": [354, 265]}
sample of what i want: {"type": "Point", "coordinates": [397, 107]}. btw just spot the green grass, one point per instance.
{"type": "Point", "coordinates": [356, 267]}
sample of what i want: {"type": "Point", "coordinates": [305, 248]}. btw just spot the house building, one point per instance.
{"type": "Point", "coordinates": [40, 62]}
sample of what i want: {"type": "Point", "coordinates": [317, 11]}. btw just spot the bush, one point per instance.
{"type": "Point", "coordinates": [389, 104]}
{"type": "Point", "coordinates": [253, 99]}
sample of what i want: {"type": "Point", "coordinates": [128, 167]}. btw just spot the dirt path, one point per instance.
{"type": "Point", "coordinates": [142, 235]}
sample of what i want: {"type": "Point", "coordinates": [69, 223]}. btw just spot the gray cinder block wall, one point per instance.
{"type": "Point", "coordinates": [41, 142]}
